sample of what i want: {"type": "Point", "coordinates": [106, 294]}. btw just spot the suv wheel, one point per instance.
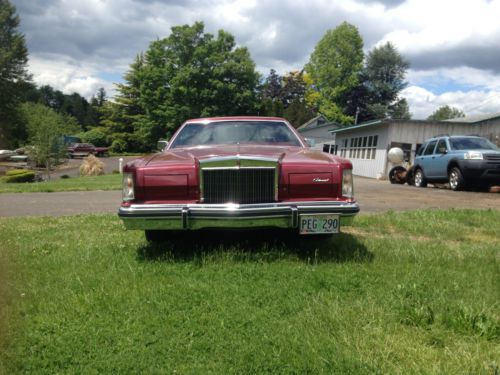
{"type": "Point", "coordinates": [419, 178]}
{"type": "Point", "coordinates": [456, 180]}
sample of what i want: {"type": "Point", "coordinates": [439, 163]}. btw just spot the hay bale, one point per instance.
{"type": "Point", "coordinates": [91, 166]}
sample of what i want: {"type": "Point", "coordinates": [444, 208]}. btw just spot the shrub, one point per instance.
{"type": "Point", "coordinates": [14, 172]}
{"type": "Point", "coordinates": [119, 145]}
{"type": "Point", "coordinates": [96, 136]}
{"type": "Point", "coordinates": [27, 176]}
{"type": "Point", "coordinates": [64, 176]}
{"type": "Point", "coordinates": [91, 166]}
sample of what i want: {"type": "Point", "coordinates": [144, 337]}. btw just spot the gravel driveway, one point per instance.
{"type": "Point", "coordinates": [373, 196]}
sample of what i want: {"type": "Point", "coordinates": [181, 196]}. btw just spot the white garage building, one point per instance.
{"type": "Point", "coordinates": [367, 144]}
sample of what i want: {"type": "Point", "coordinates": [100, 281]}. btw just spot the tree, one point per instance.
{"type": "Point", "coordinates": [445, 113]}
{"type": "Point", "coordinates": [46, 129]}
{"type": "Point", "coordinates": [297, 110]}
{"type": "Point", "coordinates": [334, 67]}
{"type": "Point", "coordinates": [188, 74]}
{"type": "Point", "coordinates": [13, 62]}
{"type": "Point", "coordinates": [270, 95]}
{"type": "Point", "coordinates": [380, 83]}
{"type": "Point", "coordinates": [285, 96]}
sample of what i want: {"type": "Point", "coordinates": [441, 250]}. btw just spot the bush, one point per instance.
{"type": "Point", "coordinates": [14, 172]}
{"type": "Point", "coordinates": [96, 136]}
{"type": "Point", "coordinates": [91, 166]}
{"type": "Point", "coordinates": [27, 176]}
{"type": "Point", "coordinates": [119, 145]}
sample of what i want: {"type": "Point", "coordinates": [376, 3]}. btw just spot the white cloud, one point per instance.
{"type": "Point", "coordinates": [67, 75]}
{"type": "Point", "coordinates": [452, 45]}
{"type": "Point", "coordinates": [423, 102]}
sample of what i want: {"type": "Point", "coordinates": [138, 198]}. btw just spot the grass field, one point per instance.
{"type": "Point", "coordinates": [105, 182]}
{"type": "Point", "coordinates": [397, 293]}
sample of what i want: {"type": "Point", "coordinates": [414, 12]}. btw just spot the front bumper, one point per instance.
{"type": "Point", "coordinates": [200, 216]}
{"type": "Point", "coordinates": [481, 170]}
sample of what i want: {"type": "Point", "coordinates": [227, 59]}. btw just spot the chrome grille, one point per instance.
{"type": "Point", "coordinates": [239, 185]}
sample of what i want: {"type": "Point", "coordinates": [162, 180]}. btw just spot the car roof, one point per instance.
{"type": "Point", "coordinates": [234, 118]}
{"type": "Point", "coordinates": [452, 136]}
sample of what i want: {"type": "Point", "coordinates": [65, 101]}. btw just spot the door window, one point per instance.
{"type": "Point", "coordinates": [430, 148]}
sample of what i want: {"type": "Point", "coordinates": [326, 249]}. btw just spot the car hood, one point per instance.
{"type": "Point", "coordinates": [283, 154]}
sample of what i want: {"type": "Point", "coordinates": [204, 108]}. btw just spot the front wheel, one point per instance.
{"type": "Point", "coordinates": [419, 178]}
{"type": "Point", "coordinates": [456, 179]}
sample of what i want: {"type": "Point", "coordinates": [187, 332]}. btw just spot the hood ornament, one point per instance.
{"type": "Point", "coordinates": [317, 179]}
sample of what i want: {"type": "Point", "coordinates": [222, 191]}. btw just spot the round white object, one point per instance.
{"type": "Point", "coordinates": [396, 155]}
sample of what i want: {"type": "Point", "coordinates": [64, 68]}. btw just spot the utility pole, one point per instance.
{"type": "Point", "coordinates": [356, 119]}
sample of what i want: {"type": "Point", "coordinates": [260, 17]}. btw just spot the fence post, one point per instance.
{"type": "Point", "coordinates": [120, 165]}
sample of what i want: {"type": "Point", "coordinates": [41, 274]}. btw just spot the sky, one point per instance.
{"type": "Point", "coordinates": [453, 46]}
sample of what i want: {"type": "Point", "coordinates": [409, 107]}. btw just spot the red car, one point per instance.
{"type": "Point", "coordinates": [86, 149]}
{"type": "Point", "coordinates": [237, 172]}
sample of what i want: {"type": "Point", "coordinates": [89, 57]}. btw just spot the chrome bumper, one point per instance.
{"type": "Point", "coordinates": [199, 216]}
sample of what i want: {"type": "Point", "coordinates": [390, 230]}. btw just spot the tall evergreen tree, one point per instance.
{"type": "Point", "coordinates": [13, 73]}
{"type": "Point", "coordinates": [380, 82]}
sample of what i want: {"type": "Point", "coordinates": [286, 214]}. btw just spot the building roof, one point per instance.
{"type": "Point", "coordinates": [315, 122]}
{"type": "Point", "coordinates": [475, 118]}
{"type": "Point", "coordinates": [362, 125]}
{"type": "Point", "coordinates": [472, 120]}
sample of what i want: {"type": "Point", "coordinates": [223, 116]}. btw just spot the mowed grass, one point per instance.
{"type": "Point", "coordinates": [398, 293]}
{"type": "Point", "coordinates": [104, 182]}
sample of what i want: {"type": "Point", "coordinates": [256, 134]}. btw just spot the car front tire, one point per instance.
{"type": "Point", "coordinates": [456, 179]}
{"type": "Point", "coordinates": [419, 178]}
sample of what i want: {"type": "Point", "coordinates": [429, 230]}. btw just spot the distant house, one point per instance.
{"type": "Point", "coordinates": [319, 130]}
{"type": "Point", "coordinates": [367, 144]}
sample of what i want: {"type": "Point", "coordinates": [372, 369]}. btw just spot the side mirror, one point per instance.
{"type": "Point", "coordinates": [162, 144]}
{"type": "Point", "coordinates": [310, 142]}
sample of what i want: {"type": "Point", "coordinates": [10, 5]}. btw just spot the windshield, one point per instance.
{"type": "Point", "coordinates": [233, 132]}
{"type": "Point", "coordinates": [467, 143]}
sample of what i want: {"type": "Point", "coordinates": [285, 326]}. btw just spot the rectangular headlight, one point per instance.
{"type": "Point", "coordinates": [128, 187]}
{"type": "Point", "coordinates": [473, 155]}
{"type": "Point", "coordinates": [347, 183]}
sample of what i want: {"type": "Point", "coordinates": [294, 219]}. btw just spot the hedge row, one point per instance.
{"type": "Point", "coordinates": [18, 175]}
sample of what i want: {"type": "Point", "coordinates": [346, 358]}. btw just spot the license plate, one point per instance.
{"type": "Point", "coordinates": [317, 224]}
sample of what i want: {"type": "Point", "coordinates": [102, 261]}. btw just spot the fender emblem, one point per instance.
{"type": "Point", "coordinates": [317, 179]}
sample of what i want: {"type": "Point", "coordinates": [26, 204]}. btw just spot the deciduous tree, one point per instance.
{"type": "Point", "coordinates": [334, 67]}
{"type": "Point", "coordinates": [188, 74]}
{"type": "Point", "coordinates": [445, 112]}
{"type": "Point", "coordinates": [46, 128]}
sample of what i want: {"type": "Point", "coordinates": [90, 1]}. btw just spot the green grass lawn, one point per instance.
{"type": "Point", "coordinates": [105, 182]}
{"type": "Point", "coordinates": [396, 293]}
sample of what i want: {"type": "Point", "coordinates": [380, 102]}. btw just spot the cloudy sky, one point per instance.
{"type": "Point", "coordinates": [453, 45]}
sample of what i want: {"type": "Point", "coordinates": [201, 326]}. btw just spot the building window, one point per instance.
{"type": "Point", "coordinates": [359, 147]}
{"type": "Point", "coordinates": [330, 149]}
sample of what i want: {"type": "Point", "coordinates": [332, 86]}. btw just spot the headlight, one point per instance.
{"type": "Point", "coordinates": [128, 187]}
{"type": "Point", "coordinates": [473, 155]}
{"type": "Point", "coordinates": [347, 183]}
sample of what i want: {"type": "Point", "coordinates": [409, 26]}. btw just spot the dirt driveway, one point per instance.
{"type": "Point", "coordinates": [373, 196]}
